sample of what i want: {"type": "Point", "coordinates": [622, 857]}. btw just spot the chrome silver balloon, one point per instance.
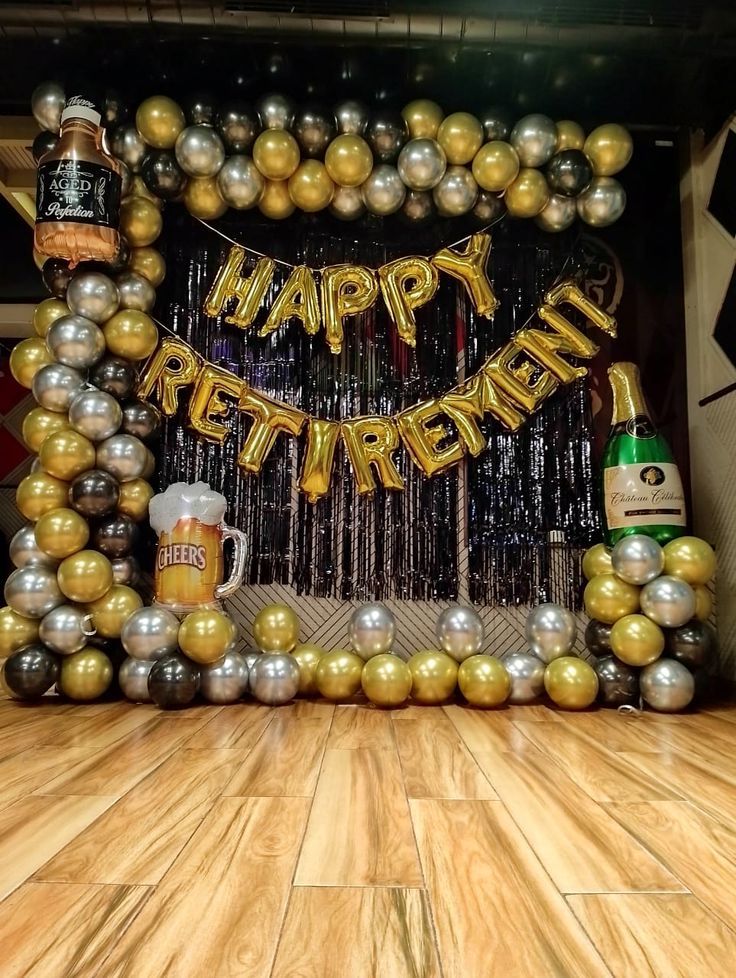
{"type": "Point", "coordinates": [456, 193]}
{"type": "Point", "coordinates": [422, 164]}
{"type": "Point", "coordinates": [75, 341]}
{"type": "Point", "coordinates": [534, 138]}
{"type": "Point", "coordinates": [238, 126]}
{"type": "Point", "coordinates": [226, 681]}
{"type": "Point", "coordinates": [251, 656]}
{"type": "Point", "coordinates": [352, 117]}
{"type": "Point", "coordinates": [274, 679]}
{"type": "Point", "coordinates": [135, 291]}
{"type": "Point", "coordinates": [95, 414]}
{"type": "Point", "coordinates": [384, 191]}
{"type": "Point", "coordinates": [347, 204]}
{"type": "Point", "coordinates": [129, 146]}
{"type": "Point", "coordinates": [241, 182]}
{"type": "Point", "coordinates": [637, 559]}
{"type": "Point", "coordinates": [133, 679]}
{"type": "Point", "coordinates": [33, 591]}
{"type": "Point", "coordinates": [371, 630]}
{"type": "Point", "coordinates": [602, 202]}
{"type": "Point", "coordinates": [418, 205]}
{"type": "Point", "coordinates": [56, 385]}
{"type": "Point", "coordinates": [666, 685]}
{"type": "Point", "coordinates": [557, 214]}
{"type": "Point", "coordinates": [123, 456]}
{"type": "Point", "coordinates": [150, 633]}
{"type": "Point", "coordinates": [141, 419]}
{"type": "Point", "coordinates": [25, 552]}
{"type": "Point", "coordinates": [550, 631]}
{"type": "Point", "coordinates": [527, 676]}
{"type": "Point", "coordinates": [93, 296]}
{"type": "Point", "coordinates": [460, 632]}
{"type": "Point", "coordinates": [314, 129]}
{"type": "Point", "coordinates": [275, 111]}
{"type": "Point", "coordinates": [199, 151]}
{"type": "Point", "coordinates": [66, 629]}
{"type": "Point", "coordinates": [618, 684]}
{"type": "Point", "coordinates": [668, 601]}
{"type": "Point", "coordinates": [47, 104]}
{"type": "Point", "coordinates": [125, 570]}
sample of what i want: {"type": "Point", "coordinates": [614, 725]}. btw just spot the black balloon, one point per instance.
{"type": "Point", "coordinates": [43, 142]}
{"type": "Point", "coordinates": [238, 124]}
{"type": "Point", "coordinates": [141, 419]}
{"type": "Point", "coordinates": [489, 207]}
{"type": "Point", "coordinates": [126, 570]}
{"type": "Point", "coordinates": [121, 259]}
{"type": "Point", "coordinates": [173, 682]}
{"type": "Point", "coordinates": [31, 672]}
{"type": "Point", "coordinates": [94, 493]}
{"type": "Point", "coordinates": [598, 637]}
{"type": "Point", "coordinates": [115, 376]}
{"type": "Point", "coordinates": [56, 276]}
{"type": "Point", "coordinates": [618, 684]}
{"type": "Point", "coordinates": [314, 128]}
{"type": "Point", "coordinates": [692, 644]}
{"type": "Point", "coordinates": [386, 134]}
{"type": "Point", "coordinates": [418, 206]}
{"type": "Point", "coordinates": [115, 536]}
{"type": "Point", "coordinates": [200, 109]}
{"type": "Point", "coordinates": [569, 172]}
{"type": "Point", "coordinates": [162, 174]}
{"type": "Point", "coordinates": [497, 124]}
{"type": "Point", "coordinates": [115, 110]}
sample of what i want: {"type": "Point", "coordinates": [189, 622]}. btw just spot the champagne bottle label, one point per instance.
{"type": "Point", "coordinates": [643, 493]}
{"type": "Point", "coordinates": [78, 191]}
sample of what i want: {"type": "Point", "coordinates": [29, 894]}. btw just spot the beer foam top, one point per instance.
{"type": "Point", "coordinates": [184, 501]}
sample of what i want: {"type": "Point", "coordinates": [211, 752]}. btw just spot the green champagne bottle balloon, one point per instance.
{"type": "Point", "coordinates": [642, 489]}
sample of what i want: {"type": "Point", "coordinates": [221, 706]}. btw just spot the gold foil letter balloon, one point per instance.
{"type": "Point", "coordinates": [422, 437]}
{"type": "Point", "coordinates": [370, 442]}
{"type": "Point", "coordinates": [346, 291]}
{"type": "Point", "coordinates": [317, 467]}
{"type": "Point", "coordinates": [173, 366]}
{"type": "Point", "coordinates": [297, 298]}
{"type": "Point", "coordinates": [269, 418]}
{"type": "Point", "coordinates": [249, 290]}
{"type": "Point", "coordinates": [469, 267]}
{"type": "Point", "coordinates": [207, 406]}
{"type": "Point", "coordinates": [407, 283]}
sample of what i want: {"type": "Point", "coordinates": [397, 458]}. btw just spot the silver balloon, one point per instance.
{"type": "Point", "coordinates": [534, 138]}
{"type": "Point", "coordinates": [384, 190]}
{"type": "Point", "coordinates": [637, 559]}
{"type": "Point", "coordinates": [422, 164]}
{"type": "Point", "coordinates": [226, 681]}
{"type": "Point", "coordinates": [459, 631]}
{"type": "Point", "coordinates": [618, 684]}
{"type": "Point", "coordinates": [275, 111]}
{"type": "Point", "coordinates": [668, 601]}
{"type": "Point", "coordinates": [274, 679]}
{"type": "Point", "coordinates": [557, 214]}
{"type": "Point", "coordinates": [666, 685]}
{"type": "Point", "coordinates": [141, 419]}
{"type": "Point", "coordinates": [125, 570]}
{"type": "Point", "coordinates": [95, 414]}
{"type": "Point", "coordinates": [33, 591]}
{"type": "Point", "coordinates": [47, 104]}
{"type": "Point", "coordinates": [352, 117]}
{"type": "Point", "coordinates": [55, 386]}
{"type": "Point", "coordinates": [93, 295]}
{"type": "Point", "coordinates": [418, 206]}
{"type": "Point", "coordinates": [241, 182]}
{"type": "Point", "coordinates": [123, 456]}
{"type": "Point", "coordinates": [251, 656]}
{"type": "Point", "coordinates": [129, 146]}
{"type": "Point", "coordinates": [386, 133]}
{"type": "Point", "coordinates": [456, 193]}
{"type": "Point", "coordinates": [150, 466]}
{"type": "Point", "coordinates": [602, 202]}
{"type": "Point", "coordinates": [66, 629]}
{"type": "Point", "coordinates": [347, 203]}
{"type": "Point", "coordinates": [371, 630]}
{"type": "Point", "coordinates": [150, 633]}
{"type": "Point", "coordinates": [550, 631]}
{"type": "Point", "coordinates": [199, 151]}
{"type": "Point", "coordinates": [314, 129]}
{"type": "Point", "coordinates": [238, 125]}
{"type": "Point", "coordinates": [25, 552]}
{"type": "Point", "coordinates": [75, 341]}
{"type": "Point", "coordinates": [136, 292]}
{"type": "Point", "coordinates": [527, 676]}
{"type": "Point", "coordinates": [133, 679]}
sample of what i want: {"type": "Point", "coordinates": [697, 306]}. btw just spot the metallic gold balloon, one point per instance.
{"type": "Point", "coordinates": [66, 453]}
{"type": "Point", "coordinates": [159, 120]}
{"type": "Point", "coordinates": [496, 165]}
{"type": "Point", "coordinates": [570, 135]}
{"type": "Point", "coordinates": [310, 186]}
{"type": "Point", "coordinates": [27, 358]}
{"type": "Point", "coordinates": [131, 334]}
{"type": "Point", "coordinates": [597, 560]}
{"type": "Point", "coordinates": [140, 221]}
{"type": "Point", "coordinates": [205, 635]}
{"type": "Point", "coordinates": [149, 263]}
{"type": "Point", "coordinates": [275, 201]}
{"type": "Point", "coordinates": [85, 576]}
{"type": "Point", "coordinates": [276, 154]}
{"type": "Point", "coordinates": [276, 628]}
{"type": "Point", "coordinates": [703, 602]}
{"type": "Point", "coordinates": [483, 681]}
{"type": "Point", "coordinates": [46, 313]}
{"type": "Point", "coordinates": [112, 610]}
{"type": "Point", "coordinates": [609, 149]}
{"type": "Point", "coordinates": [61, 533]}
{"type": "Point", "coordinates": [423, 118]}
{"type": "Point", "coordinates": [85, 675]}
{"type": "Point", "coordinates": [461, 136]}
{"type": "Point", "coordinates": [386, 680]}
{"type": "Point", "coordinates": [571, 683]}
{"type": "Point", "coordinates": [636, 640]}
{"type": "Point", "coordinates": [308, 657]}
{"type": "Point", "coordinates": [337, 675]}
{"type": "Point", "coordinates": [691, 559]}
{"type": "Point", "coordinates": [608, 598]}
{"type": "Point", "coordinates": [39, 423]}
{"type": "Point", "coordinates": [15, 631]}
{"type": "Point", "coordinates": [134, 498]}
{"type": "Point", "coordinates": [527, 194]}
{"type": "Point", "coordinates": [349, 160]}
{"type": "Point", "coordinates": [40, 492]}
{"type": "Point", "coordinates": [202, 198]}
{"type": "Point", "coordinates": [433, 676]}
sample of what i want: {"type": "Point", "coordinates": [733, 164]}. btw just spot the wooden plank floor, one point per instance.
{"type": "Point", "coordinates": [315, 841]}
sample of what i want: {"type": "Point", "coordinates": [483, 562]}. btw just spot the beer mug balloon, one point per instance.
{"type": "Point", "coordinates": [190, 565]}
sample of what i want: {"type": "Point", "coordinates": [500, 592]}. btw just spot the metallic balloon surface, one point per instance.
{"type": "Point", "coordinates": [275, 111]}
{"type": "Point", "coordinates": [66, 454]}
{"type": "Point", "coordinates": [598, 637]}
{"type": "Point", "coordinates": [383, 191]}
{"type": "Point", "coordinates": [241, 182]}
{"type": "Point", "coordinates": [597, 560]}
{"type": "Point", "coordinates": [85, 576]}
{"type": "Point", "coordinates": [205, 635]}
{"type": "Point", "coordinates": [199, 151]}
{"type": "Point", "coordinates": [114, 376]}
{"type": "Point", "coordinates": [66, 629]}
{"type": "Point", "coordinates": [238, 126]}
{"type": "Point", "coordinates": [95, 414]}
{"type": "Point", "coordinates": [94, 493]}
{"type": "Point", "coordinates": [496, 123]}
{"type": "Point", "coordinates": [199, 109]}
{"type": "Point", "coordinates": [550, 631]}
{"type": "Point", "coordinates": [56, 385]}
{"type": "Point", "coordinates": [159, 120]}
{"type": "Point", "coordinates": [668, 601]}
{"type": "Point", "coordinates": [150, 633]}
{"type": "Point", "coordinates": [85, 675]}
{"type": "Point", "coordinates": [173, 682]}
{"type": "Point", "coordinates": [123, 456]}
{"type": "Point", "coordinates": [618, 684]}
{"type": "Point", "coordinates": [495, 166]}
{"type": "Point", "coordinates": [28, 357]}
{"type": "Point", "coordinates": [528, 195]}
{"type": "Point", "coordinates": [527, 676]}
{"type": "Point", "coordinates": [608, 598]}
{"type": "Point", "coordinates": [386, 133]}
{"type": "Point", "coordinates": [75, 341]}
{"type": "Point", "coordinates": [418, 206]}
{"type": "Point", "coordinates": [637, 559]}
{"type": "Point", "coordinates": [56, 276]}
{"type": "Point", "coordinates": [92, 295]}
{"type": "Point", "coordinates": [125, 570]}
{"type": "Point", "coordinates": [115, 536]}
{"type": "Point", "coordinates": [135, 292]}
{"type": "Point", "coordinates": [338, 674]}
{"type": "Point", "coordinates": [422, 164]}
{"type": "Point", "coordinates": [488, 208]}
{"type": "Point", "coordinates": [307, 657]}
{"type": "Point", "coordinates": [31, 672]}
{"type": "Point", "coordinates": [386, 680]}
{"type": "Point", "coordinates": [571, 683]}
{"type": "Point", "coordinates": [133, 678]}
{"type": "Point", "coordinates": [609, 148]}
{"type": "Point", "coordinates": [15, 631]}
{"type": "Point", "coordinates": [693, 644]}
{"type": "Point", "coordinates": [570, 135]}
{"type": "Point", "coordinates": [433, 676]}
{"type": "Point", "coordinates": [484, 681]}
{"type": "Point", "coordinates": [371, 630]}
{"type": "Point", "coordinates": [534, 138]}
{"type": "Point", "coordinates": [461, 136]}
{"type": "Point", "coordinates": [274, 679]}
{"type": "Point", "coordinates": [61, 532]}
{"type": "Point", "coordinates": [38, 493]}
{"type": "Point", "coordinates": [276, 628]}
{"type": "Point", "coordinates": [456, 193]}
{"type": "Point", "coordinates": [46, 313]}
{"type": "Point", "coordinates": [226, 681]}
{"type": "Point", "coordinates": [691, 559]}
{"type": "Point", "coordinates": [141, 419]}
{"type": "Point", "coordinates": [33, 591]}
{"type": "Point", "coordinates": [667, 685]}
{"type": "Point", "coordinates": [602, 202]}
{"type": "Point", "coordinates": [24, 551]}
{"type": "Point", "coordinates": [459, 631]}
{"type": "Point", "coordinates": [422, 118]}
{"type": "Point", "coordinates": [557, 214]}
{"type": "Point", "coordinates": [314, 127]}
{"type": "Point", "coordinates": [347, 203]}
{"type": "Point", "coordinates": [47, 104]}
{"type": "Point", "coordinates": [352, 117]}
{"type": "Point", "coordinates": [636, 640]}
{"type": "Point", "coordinates": [569, 172]}
{"type": "Point", "coordinates": [129, 146]}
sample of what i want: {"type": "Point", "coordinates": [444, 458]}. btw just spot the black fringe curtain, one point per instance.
{"type": "Point", "coordinates": [522, 495]}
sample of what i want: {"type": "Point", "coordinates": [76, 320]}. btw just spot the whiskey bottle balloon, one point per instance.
{"type": "Point", "coordinates": [642, 489]}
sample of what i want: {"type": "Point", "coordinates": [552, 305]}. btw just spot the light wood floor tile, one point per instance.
{"type": "Point", "coordinates": [487, 729]}
{"type": "Point", "coordinates": [355, 932]}
{"type": "Point", "coordinates": [30, 769]}
{"type": "Point", "coordinates": [435, 762]}
{"type": "Point", "coordinates": [656, 935]}
{"type": "Point", "coordinates": [359, 831]}
{"type": "Point", "coordinates": [285, 761]}
{"type": "Point", "coordinates": [358, 726]}
{"type": "Point", "coordinates": [240, 725]}
{"type": "Point", "coordinates": [307, 710]}
{"type": "Point", "coordinates": [97, 731]}
{"type": "Point", "coordinates": [618, 732]}
{"type": "Point", "coordinates": [496, 911]}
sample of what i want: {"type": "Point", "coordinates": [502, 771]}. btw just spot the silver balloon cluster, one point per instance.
{"type": "Point", "coordinates": [371, 630]}
{"type": "Point", "coordinates": [460, 632]}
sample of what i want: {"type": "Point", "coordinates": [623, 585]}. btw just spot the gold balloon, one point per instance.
{"type": "Point", "coordinates": [484, 681]}
{"type": "Point", "coordinates": [636, 640]}
{"type": "Point", "coordinates": [423, 118]}
{"type": "Point", "coordinates": [46, 313]}
{"type": "Point", "coordinates": [61, 533]}
{"type": "Point", "coordinates": [527, 194]}
{"type": "Point", "coordinates": [65, 454]}
{"type": "Point", "coordinates": [691, 559]}
{"type": "Point", "coordinates": [703, 602]}
{"type": "Point", "coordinates": [461, 136]}
{"type": "Point", "coordinates": [140, 221]}
{"type": "Point", "coordinates": [40, 492]}
{"type": "Point", "coordinates": [15, 631]}
{"type": "Point", "coordinates": [205, 635]}
{"type": "Point", "coordinates": [159, 120]}
{"type": "Point", "coordinates": [276, 628]}
{"type": "Point", "coordinates": [496, 165]}
{"type": "Point", "coordinates": [314, 479]}
{"type": "Point", "coordinates": [85, 675]}
{"type": "Point", "coordinates": [39, 423]}
{"type": "Point", "coordinates": [349, 160]}
{"type": "Point", "coordinates": [337, 675]}
{"type": "Point", "coordinates": [386, 680]}
{"type": "Point", "coordinates": [310, 186]}
{"type": "Point", "coordinates": [609, 149]}
{"type": "Point", "coordinates": [276, 154]}
{"type": "Point", "coordinates": [112, 610]}
{"type": "Point", "coordinates": [134, 499]}
{"type": "Point", "coordinates": [570, 135]}
{"type": "Point", "coordinates": [571, 683]}
{"type": "Point", "coordinates": [346, 291]}
{"type": "Point", "coordinates": [27, 358]}
{"type": "Point", "coordinates": [597, 560]}
{"type": "Point", "coordinates": [5, 690]}
{"type": "Point", "coordinates": [85, 576]}
{"type": "Point", "coordinates": [308, 657]}
{"type": "Point", "coordinates": [608, 598]}
{"type": "Point", "coordinates": [149, 263]}
{"type": "Point", "coordinates": [202, 198]}
{"type": "Point", "coordinates": [406, 284]}
{"type": "Point", "coordinates": [275, 201]}
{"type": "Point", "coordinates": [433, 676]}
{"type": "Point", "coordinates": [131, 334]}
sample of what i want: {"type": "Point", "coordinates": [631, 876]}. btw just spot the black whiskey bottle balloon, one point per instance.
{"type": "Point", "coordinates": [642, 489]}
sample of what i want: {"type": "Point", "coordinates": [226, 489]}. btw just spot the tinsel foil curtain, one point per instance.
{"type": "Point", "coordinates": [529, 500]}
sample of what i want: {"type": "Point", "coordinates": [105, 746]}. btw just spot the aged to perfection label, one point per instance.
{"type": "Point", "coordinates": [78, 192]}
{"type": "Point", "coordinates": [643, 493]}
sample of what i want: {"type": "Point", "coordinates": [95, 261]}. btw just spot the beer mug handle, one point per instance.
{"type": "Point", "coordinates": [240, 555]}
